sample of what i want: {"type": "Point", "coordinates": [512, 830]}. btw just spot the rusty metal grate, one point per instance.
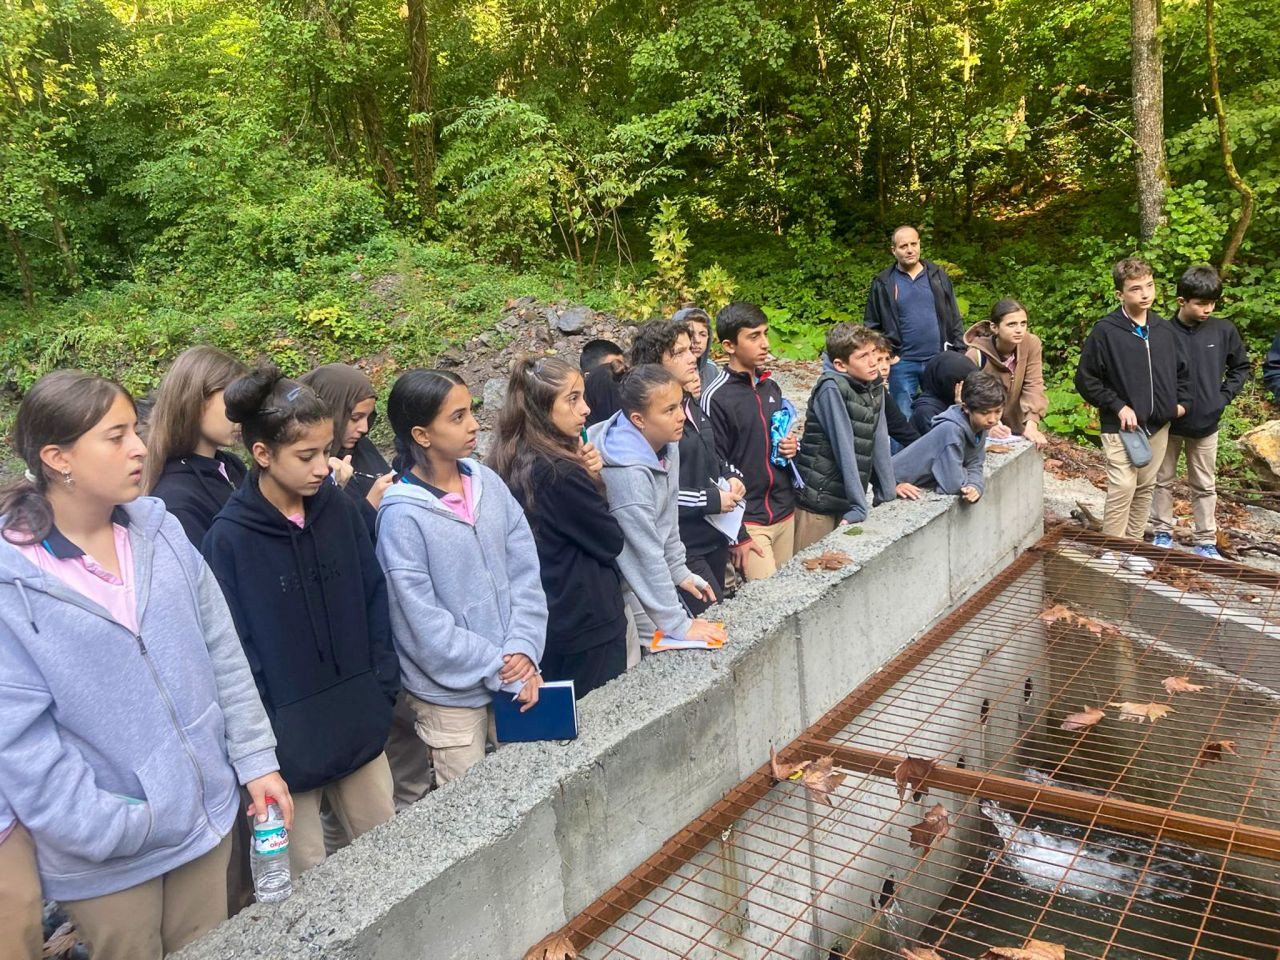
{"type": "Point", "coordinates": [1157, 848]}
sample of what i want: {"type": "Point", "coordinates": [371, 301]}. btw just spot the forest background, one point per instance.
{"type": "Point", "coordinates": [325, 180]}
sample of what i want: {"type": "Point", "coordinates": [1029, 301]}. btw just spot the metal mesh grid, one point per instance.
{"type": "Point", "coordinates": [1153, 849]}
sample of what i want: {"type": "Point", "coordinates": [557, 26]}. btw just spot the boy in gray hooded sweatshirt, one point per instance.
{"type": "Point", "coordinates": [640, 448]}
{"type": "Point", "coordinates": [949, 457]}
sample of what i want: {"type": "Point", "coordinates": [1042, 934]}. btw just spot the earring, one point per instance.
{"type": "Point", "coordinates": [66, 478]}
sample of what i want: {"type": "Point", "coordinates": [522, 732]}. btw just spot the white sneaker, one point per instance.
{"type": "Point", "coordinates": [1138, 564]}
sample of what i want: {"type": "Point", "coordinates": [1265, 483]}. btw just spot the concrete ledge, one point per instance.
{"type": "Point", "coordinates": [492, 862]}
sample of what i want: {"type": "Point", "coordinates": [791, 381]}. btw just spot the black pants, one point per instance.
{"type": "Point", "coordinates": [710, 567]}
{"type": "Point", "coordinates": [590, 668]}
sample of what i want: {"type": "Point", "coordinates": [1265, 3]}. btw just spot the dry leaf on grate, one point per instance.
{"type": "Point", "coordinates": [1180, 685]}
{"type": "Point", "coordinates": [1031, 950]}
{"type": "Point", "coordinates": [783, 771]}
{"type": "Point", "coordinates": [557, 946]}
{"type": "Point", "coordinates": [1061, 613]}
{"type": "Point", "coordinates": [936, 823]}
{"type": "Point", "coordinates": [1213, 750]}
{"type": "Point", "coordinates": [910, 775]}
{"type": "Point", "coordinates": [1141, 712]}
{"type": "Point", "coordinates": [820, 778]}
{"type": "Point", "coordinates": [1083, 720]}
{"type": "Point", "coordinates": [921, 953]}
{"type": "Point", "coordinates": [828, 560]}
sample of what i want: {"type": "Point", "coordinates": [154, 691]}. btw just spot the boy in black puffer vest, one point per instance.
{"type": "Point", "coordinates": [845, 444]}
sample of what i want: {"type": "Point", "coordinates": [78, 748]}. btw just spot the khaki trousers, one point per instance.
{"type": "Point", "coordinates": [409, 758]}
{"type": "Point", "coordinates": [812, 527]}
{"type": "Point", "coordinates": [157, 917]}
{"type": "Point", "coordinates": [361, 801]}
{"type": "Point", "coordinates": [778, 542]}
{"type": "Point", "coordinates": [456, 736]}
{"type": "Point", "coordinates": [21, 929]}
{"type": "Point", "coordinates": [1202, 466]}
{"type": "Point", "coordinates": [1129, 488]}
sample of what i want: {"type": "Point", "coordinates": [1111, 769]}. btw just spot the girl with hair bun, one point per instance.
{"type": "Point", "coordinates": [309, 600]}
{"type": "Point", "coordinates": [467, 607]}
{"type": "Point", "coordinates": [188, 465]}
{"type": "Point", "coordinates": [128, 715]}
{"type": "Point", "coordinates": [539, 451]}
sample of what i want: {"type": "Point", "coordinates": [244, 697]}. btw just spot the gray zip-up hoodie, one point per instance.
{"type": "Point", "coordinates": [947, 458]}
{"type": "Point", "coordinates": [121, 753]}
{"type": "Point", "coordinates": [643, 494]}
{"type": "Point", "coordinates": [462, 596]}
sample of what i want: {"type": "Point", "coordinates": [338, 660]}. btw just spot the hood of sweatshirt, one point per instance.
{"type": "Point", "coordinates": [955, 414]}
{"type": "Point", "coordinates": [622, 445]}
{"type": "Point", "coordinates": [943, 372]}
{"type": "Point", "coordinates": [413, 494]}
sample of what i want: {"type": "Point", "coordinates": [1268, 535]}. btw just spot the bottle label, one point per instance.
{"type": "Point", "coordinates": [270, 839]}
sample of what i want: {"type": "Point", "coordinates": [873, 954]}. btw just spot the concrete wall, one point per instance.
{"type": "Point", "coordinates": [484, 867]}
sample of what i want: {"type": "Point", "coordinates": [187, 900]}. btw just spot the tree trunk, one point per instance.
{"type": "Point", "coordinates": [376, 139]}
{"type": "Point", "coordinates": [24, 266]}
{"type": "Point", "coordinates": [1148, 113]}
{"type": "Point", "coordinates": [60, 237]}
{"type": "Point", "coordinates": [422, 132]}
{"type": "Point", "coordinates": [1228, 163]}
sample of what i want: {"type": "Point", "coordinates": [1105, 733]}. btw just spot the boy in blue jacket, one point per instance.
{"type": "Point", "coordinates": [949, 457]}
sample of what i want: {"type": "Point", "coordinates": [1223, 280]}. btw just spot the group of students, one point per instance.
{"type": "Point", "coordinates": [329, 630]}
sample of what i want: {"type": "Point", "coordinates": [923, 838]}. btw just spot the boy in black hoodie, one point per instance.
{"type": "Point", "coordinates": [741, 403]}
{"type": "Point", "coordinates": [1219, 366]}
{"type": "Point", "coordinates": [668, 343]}
{"type": "Point", "coordinates": [309, 601]}
{"type": "Point", "coordinates": [1132, 369]}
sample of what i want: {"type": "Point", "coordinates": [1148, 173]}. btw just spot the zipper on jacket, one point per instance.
{"type": "Point", "coordinates": [768, 446]}
{"type": "Point", "coordinates": [1151, 379]}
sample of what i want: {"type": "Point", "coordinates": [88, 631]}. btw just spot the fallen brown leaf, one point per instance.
{"type": "Point", "coordinates": [921, 953]}
{"type": "Point", "coordinates": [1213, 750]}
{"type": "Point", "coordinates": [999, 448]}
{"type": "Point", "coordinates": [1083, 720]}
{"type": "Point", "coordinates": [1180, 685]}
{"type": "Point", "coordinates": [828, 560]}
{"type": "Point", "coordinates": [936, 823]}
{"type": "Point", "coordinates": [783, 771]}
{"type": "Point", "coordinates": [910, 775]}
{"type": "Point", "coordinates": [820, 778]}
{"type": "Point", "coordinates": [1061, 613]}
{"type": "Point", "coordinates": [1141, 712]}
{"type": "Point", "coordinates": [1031, 950]}
{"type": "Point", "coordinates": [556, 946]}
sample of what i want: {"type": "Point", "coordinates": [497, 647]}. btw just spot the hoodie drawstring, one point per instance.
{"type": "Point", "coordinates": [306, 596]}
{"type": "Point", "coordinates": [26, 604]}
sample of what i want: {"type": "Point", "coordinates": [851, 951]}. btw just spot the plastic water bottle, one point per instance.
{"type": "Point", "coordinates": [269, 860]}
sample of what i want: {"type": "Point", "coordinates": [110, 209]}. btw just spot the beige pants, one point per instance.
{"type": "Point", "coordinates": [21, 934]}
{"type": "Point", "coordinates": [1129, 488]}
{"type": "Point", "coordinates": [778, 542]}
{"type": "Point", "coordinates": [633, 636]}
{"type": "Point", "coordinates": [157, 917]}
{"type": "Point", "coordinates": [812, 527]}
{"type": "Point", "coordinates": [360, 800]}
{"type": "Point", "coordinates": [456, 736]}
{"type": "Point", "coordinates": [409, 758]}
{"type": "Point", "coordinates": [1202, 466]}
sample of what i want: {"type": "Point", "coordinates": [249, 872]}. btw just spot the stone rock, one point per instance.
{"type": "Point", "coordinates": [551, 316]}
{"type": "Point", "coordinates": [495, 392]}
{"type": "Point", "coordinates": [575, 319]}
{"type": "Point", "coordinates": [450, 357]}
{"type": "Point", "coordinates": [357, 277]}
{"type": "Point", "coordinates": [1261, 447]}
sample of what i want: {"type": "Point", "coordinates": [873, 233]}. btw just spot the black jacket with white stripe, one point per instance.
{"type": "Point", "coordinates": [700, 468]}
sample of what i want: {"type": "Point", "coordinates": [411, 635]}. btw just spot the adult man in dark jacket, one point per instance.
{"type": "Point", "coordinates": [1133, 370]}
{"type": "Point", "coordinates": [913, 303]}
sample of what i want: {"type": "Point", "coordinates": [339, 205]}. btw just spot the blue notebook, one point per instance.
{"type": "Point", "coordinates": [555, 717]}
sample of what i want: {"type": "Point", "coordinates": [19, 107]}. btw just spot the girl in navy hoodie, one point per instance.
{"type": "Point", "coordinates": [555, 474]}
{"type": "Point", "coordinates": [310, 604]}
{"type": "Point", "coordinates": [467, 607]}
{"type": "Point", "coordinates": [128, 715]}
{"type": "Point", "coordinates": [188, 466]}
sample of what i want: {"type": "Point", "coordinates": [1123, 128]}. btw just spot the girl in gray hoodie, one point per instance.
{"type": "Point", "coordinates": [468, 614]}
{"type": "Point", "coordinates": [640, 448]}
{"type": "Point", "coordinates": [128, 714]}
